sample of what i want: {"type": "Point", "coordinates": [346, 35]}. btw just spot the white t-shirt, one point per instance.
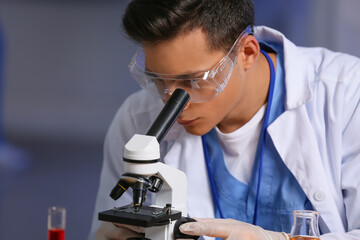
{"type": "Point", "coordinates": [239, 147]}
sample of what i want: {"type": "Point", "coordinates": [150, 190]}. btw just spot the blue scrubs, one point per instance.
{"type": "Point", "coordinates": [279, 193]}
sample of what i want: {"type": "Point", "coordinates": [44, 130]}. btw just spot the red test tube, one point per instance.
{"type": "Point", "coordinates": [56, 223]}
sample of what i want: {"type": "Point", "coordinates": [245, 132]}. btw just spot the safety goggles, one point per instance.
{"type": "Point", "coordinates": [202, 86]}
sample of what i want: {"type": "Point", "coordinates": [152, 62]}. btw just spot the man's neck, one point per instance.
{"type": "Point", "coordinates": [255, 95]}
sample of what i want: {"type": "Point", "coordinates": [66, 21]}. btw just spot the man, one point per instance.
{"type": "Point", "coordinates": [270, 127]}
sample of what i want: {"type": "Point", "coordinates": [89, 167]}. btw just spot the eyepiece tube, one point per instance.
{"type": "Point", "coordinates": [171, 110]}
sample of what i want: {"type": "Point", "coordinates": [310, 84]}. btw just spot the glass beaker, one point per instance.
{"type": "Point", "coordinates": [56, 223]}
{"type": "Point", "coordinates": [305, 226]}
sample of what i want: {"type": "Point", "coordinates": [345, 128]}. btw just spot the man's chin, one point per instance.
{"type": "Point", "coordinates": [196, 130]}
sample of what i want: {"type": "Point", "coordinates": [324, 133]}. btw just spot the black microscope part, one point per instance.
{"type": "Point", "coordinates": [166, 118]}
{"type": "Point", "coordinates": [156, 184]}
{"type": "Point", "coordinates": [146, 216]}
{"type": "Point", "coordinates": [178, 234]}
{"type": "Point", "coordinates": [139, 193]}
{"type": "Point", "coordinates": [119, 189]}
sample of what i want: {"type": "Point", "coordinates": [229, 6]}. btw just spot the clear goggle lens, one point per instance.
{"type": "Point", "coordinates": [200, 89]}
{"type": "Point", "coordinates": [202, 86]}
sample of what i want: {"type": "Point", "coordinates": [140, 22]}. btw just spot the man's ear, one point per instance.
{"type": "Point", "coordinates": [249, 51]}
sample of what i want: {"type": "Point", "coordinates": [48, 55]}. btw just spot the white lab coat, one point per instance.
{"type": "Point", "coordinates": [317, 137]}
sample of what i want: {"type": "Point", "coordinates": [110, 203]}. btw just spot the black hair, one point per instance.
{"type": "Point", "coordinates": [153, 21]}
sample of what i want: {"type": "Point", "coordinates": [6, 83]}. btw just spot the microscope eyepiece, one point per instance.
{"type": "Point", "coordinates": [171, 110]}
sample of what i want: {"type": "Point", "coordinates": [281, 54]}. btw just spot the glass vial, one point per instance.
{"type": "Point", "coordinates": [56, 223]}
{"type": "Point", "coordinates": [305, 226]}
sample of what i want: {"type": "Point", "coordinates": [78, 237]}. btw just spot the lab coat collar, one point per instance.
{"type": "Point", "coordinates": [295, 67]}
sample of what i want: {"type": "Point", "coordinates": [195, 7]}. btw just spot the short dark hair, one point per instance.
{"type": "Point", "coordinates": [153, 21]}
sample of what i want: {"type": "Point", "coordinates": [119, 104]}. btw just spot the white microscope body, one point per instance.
{"type": "Point", "coordinates": [143, 148]}
{"type": "Point", "coordinates": [143, 172]}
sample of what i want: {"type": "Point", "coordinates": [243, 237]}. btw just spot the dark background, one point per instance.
{"type": "Point", "coordinates": [64, 74]}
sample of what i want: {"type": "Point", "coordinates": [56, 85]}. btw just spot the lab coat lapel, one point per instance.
{"type": "Point", "coordinates": [293, 136]}
{"type": "Point", "coordinates": [296, 143]}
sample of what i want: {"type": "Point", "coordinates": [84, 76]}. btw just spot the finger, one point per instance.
{"type": "Point", "coordinates": [216, 220]}
{"type": "Point", "coordinates": [130, 227]}
{"type": "Point", "coordinates": [219, 229]}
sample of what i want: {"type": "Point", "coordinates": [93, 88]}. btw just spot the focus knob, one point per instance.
{"type": "Point", "coordinates": [178, 234]}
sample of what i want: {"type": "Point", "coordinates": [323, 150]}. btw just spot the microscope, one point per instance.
{"type": "Point", "coordinates": [143, 172]}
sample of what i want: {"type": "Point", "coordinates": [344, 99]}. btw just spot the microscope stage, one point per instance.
{"type": "Point", "coordinates": [145, 217]}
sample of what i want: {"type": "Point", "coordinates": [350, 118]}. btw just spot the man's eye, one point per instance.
{"type": "Point", "coordinates": [188, 82]}
{"type": "Point", "coordinates": [192, 83]}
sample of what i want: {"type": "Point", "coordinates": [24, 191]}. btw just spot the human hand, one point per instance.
{"type": "Point", "coordinates": [229, 229]}
{"type": "Point", "coordinates": [116, 231]}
